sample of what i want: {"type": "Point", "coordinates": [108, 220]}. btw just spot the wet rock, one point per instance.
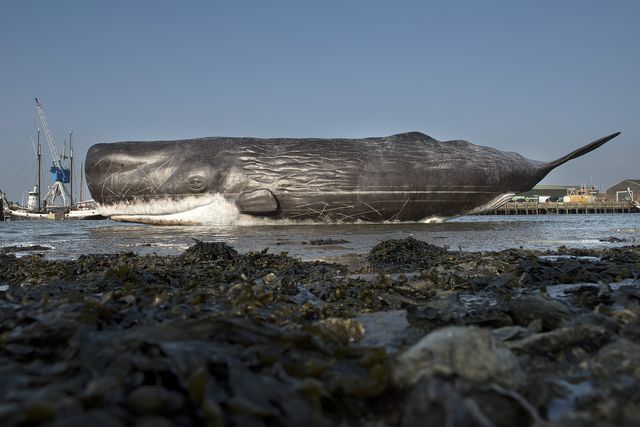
{"type": "Point", "coordinates": [503, 407]}
{"type": "Point", "coordinates": [325, 242]}
{"type": "Point", "coordinates": [619, 357]}
{"type": "Point", "coordinates": [404, 255]}
{"type": "Point", "coordinates": [149, 400]}
{"type": "Point", "coordinates": [444, 309]}
{"type": "Point", "coordinates": [10, 411]}
{"type": "Point", "coordinates": [591, 295]}
{"type": "Point", "coordinates": [573, 266]}
{"type": "Point", "coordinates": [153, 421]}
{"type": "Point", "coordinates": [433, 403]}
{"type": "Point", "coordinates": [631, 331]}
{"type": "Point", "coordinates": [212, 251]}
{"type": "Point", "coordinates": [92, 418]}
{"type": "Point", "coordinates": [467, 352]}
{"type": "Point", "coordinates": [622, 315]}
{"type": "Point", "coordinates": [346, 330]}
{"type": "Point", "coordinates": [214, 337]}
{"type": "Point", "coordinates": [525, 309]}
{"type": "Point", "coordinates": [588, 336]}
{"type": "Point", "coordinates": [269, 279]}
{"type": "Point", "coordinates": [388, 329]}
{"type": "Point", "coordinates": [596, 319]}
{"type": "Point", "coordinates": [106, 389]}
{"type": "Point", "coordinates": [39, 410]}
{"type": "Point", "coordinates": [509, 333]}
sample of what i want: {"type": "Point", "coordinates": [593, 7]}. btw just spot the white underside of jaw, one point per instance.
{"type": "Point", "coordinates": [211, 209]}
{"type": "Point", "coordinates": [163, 205]}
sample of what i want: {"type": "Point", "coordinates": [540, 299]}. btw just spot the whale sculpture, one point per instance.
{"type": "Point", "coordinates": [404, 177]}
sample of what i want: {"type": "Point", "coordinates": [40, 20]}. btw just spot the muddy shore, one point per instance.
{"type": "Point", "coordinates": [414, 334]}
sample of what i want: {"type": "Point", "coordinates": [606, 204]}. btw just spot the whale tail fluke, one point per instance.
{"type": "Point", "coordinates": [581, 151]}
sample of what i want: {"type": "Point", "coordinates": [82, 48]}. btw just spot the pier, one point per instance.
{"type": "Point", "coordinates": [563, 208]}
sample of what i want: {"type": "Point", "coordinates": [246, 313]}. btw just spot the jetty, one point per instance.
{"type": "Point", "coordinates": [563, 208]}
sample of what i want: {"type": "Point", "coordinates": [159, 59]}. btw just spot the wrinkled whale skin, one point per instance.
{"type": "Point", "coordinates": [404, 177]}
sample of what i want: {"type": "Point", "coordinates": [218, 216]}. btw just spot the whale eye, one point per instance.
{"type": "Point", "coordinates": [196, 183]}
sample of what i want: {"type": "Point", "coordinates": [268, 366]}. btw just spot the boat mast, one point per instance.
{"type": "Point", "coordinates": [81, 182]}
{"type": "Point", "coordinates": [71, 166]}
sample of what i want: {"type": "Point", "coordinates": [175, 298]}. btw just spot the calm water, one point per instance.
{"type": "Point", "coordinates": [69, 239]}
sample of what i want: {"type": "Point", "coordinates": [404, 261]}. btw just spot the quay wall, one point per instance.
{"type": "Point", "coordinates": [560, 208]}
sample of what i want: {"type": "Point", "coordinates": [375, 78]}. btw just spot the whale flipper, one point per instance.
{"type": "Point", "coordinates": [581, 151]}
{"type": "Point", "coordinates": [258, 202]}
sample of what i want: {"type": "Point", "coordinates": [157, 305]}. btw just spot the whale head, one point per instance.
{"type": "Point", "coordinates": [130, 178]}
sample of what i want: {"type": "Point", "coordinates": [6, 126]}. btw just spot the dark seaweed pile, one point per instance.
{"type": "Point", "coordinates": [214, 337]}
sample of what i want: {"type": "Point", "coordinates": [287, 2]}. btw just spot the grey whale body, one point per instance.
{"type": "Point", "coordinates": [404, 177]}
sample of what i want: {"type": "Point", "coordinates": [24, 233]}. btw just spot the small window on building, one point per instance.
{"type": "Point", "coordinates": [624, 196]}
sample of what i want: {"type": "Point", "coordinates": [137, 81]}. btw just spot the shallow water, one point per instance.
{"type": "Point", "coordinates": [564, 290]}
{"type": "Point", "coordinates": [69, 239]}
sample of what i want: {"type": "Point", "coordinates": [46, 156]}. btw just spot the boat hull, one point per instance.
{"type": "Point", "coordinates": [35, 216]}
{"type": "Point", "coordinates": [84, 214]}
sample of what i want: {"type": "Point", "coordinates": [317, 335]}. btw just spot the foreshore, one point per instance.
{"type": "Point", "coordinates": [414, 335]}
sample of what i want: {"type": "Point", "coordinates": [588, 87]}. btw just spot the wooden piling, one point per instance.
{"type": "Point", "coordinates": [562, 208]}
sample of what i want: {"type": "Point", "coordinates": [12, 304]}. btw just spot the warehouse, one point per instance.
{"type": "Point", "coordinates": [628, 189]}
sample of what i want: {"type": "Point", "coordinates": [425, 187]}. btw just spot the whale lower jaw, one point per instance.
{"type": "Point", "coordinates": [206, 209]}
{"type": "Point", "coordinates": [212, 210]}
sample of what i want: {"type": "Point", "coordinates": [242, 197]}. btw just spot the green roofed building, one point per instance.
{"type": "Point", "coordinates": [548, 190]}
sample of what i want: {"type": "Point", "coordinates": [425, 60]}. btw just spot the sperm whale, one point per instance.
{"type": "Point", "coordinates": [403, 177]}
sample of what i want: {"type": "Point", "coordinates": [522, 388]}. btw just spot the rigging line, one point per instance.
{"type": "Point", "coordinates": [18, 175]}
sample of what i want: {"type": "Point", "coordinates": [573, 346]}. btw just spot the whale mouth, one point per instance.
{"type": "Point", "coordinates": [205, 209]}
{"type": "Point", "coordinates": [194, 209]}
{"type": "Point", "coordinates": [154, 205]}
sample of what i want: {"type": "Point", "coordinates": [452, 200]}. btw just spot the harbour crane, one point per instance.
{"type": "Point", "coordinates": [61, 170]}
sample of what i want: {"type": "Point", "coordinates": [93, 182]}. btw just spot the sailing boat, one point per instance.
{"type": "Point", "coordinates": [61, 174]}
{"type": "Point", "coordinates": [84, 209]}
{"type": "Point", "coordinates": [34, 210]}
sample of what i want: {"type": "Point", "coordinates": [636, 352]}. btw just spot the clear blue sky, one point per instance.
{"type": "Point", "coordinates": [536, 77]}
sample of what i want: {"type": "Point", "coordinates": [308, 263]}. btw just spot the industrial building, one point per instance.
{"type": "Point", "coordinates": [625, 190]}
{"type": "Point", "coordinates": [542, 192]}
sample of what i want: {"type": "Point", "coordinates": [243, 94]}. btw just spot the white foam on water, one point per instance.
{"type": "Point", "coordinates": [27, 244]}
{"type": "Point", "coordinates": [433, 220]}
